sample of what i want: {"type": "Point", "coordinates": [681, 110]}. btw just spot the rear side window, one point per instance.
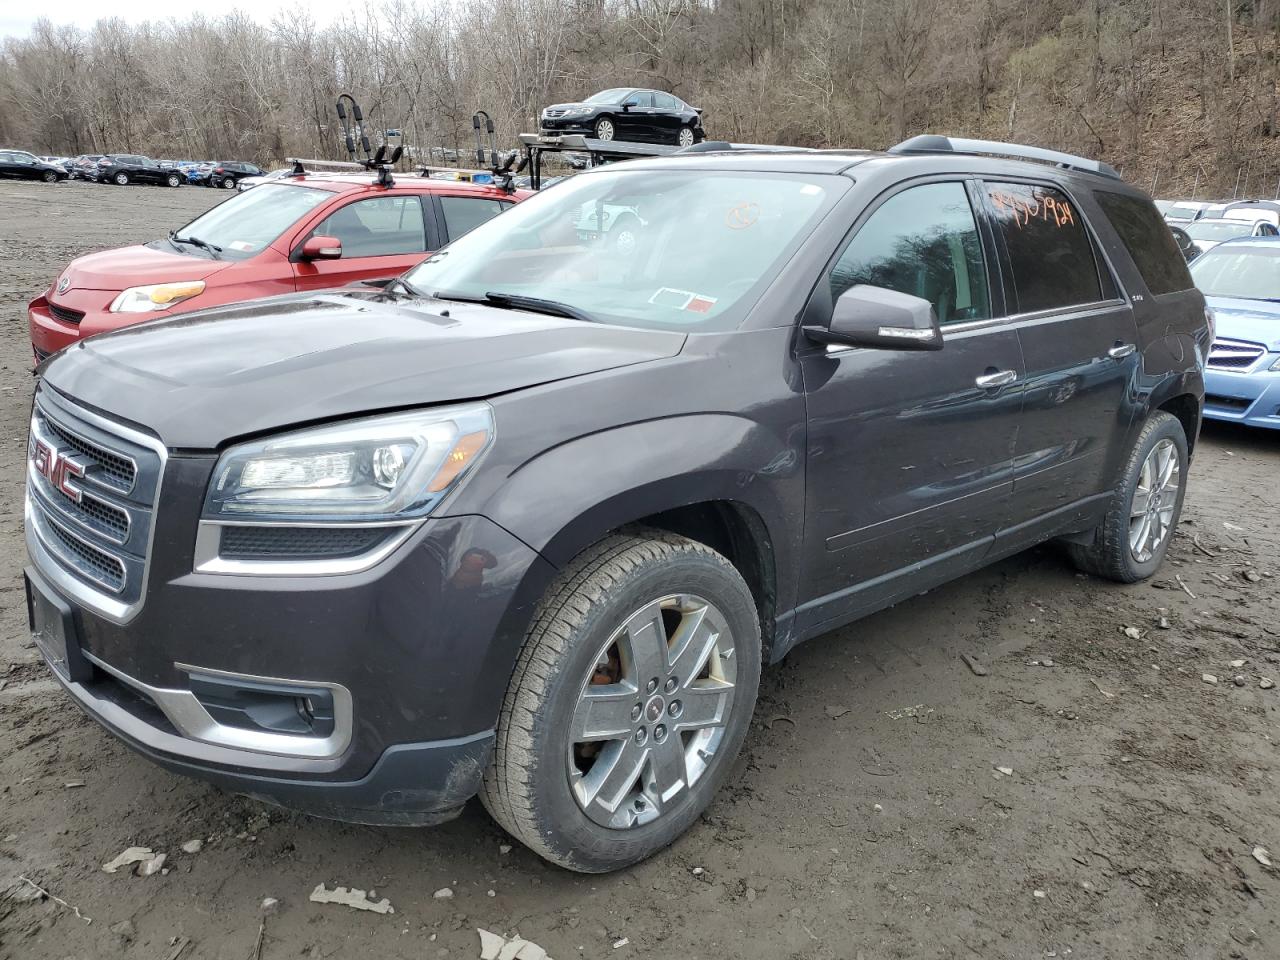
{"type": "Point", "coordinates": [922, 241]}
{"type": "Point", "coordinates": [1050, 252]}
{"type": "Point", "coordinates": [664, 101]}
{"type": "Point", "coordinates": [463, 214]}
{"type": "Point", "coordinates": [1149, 241]}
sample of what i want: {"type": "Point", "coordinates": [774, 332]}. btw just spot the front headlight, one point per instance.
{"type": "Point", "coordinates": [1275, 366]}
{"type": "Point", "coordinates": [578, 111]}
{"type": "Point", "coordinates": [382, 468]}
{"type": "Point", "coordinates": [157, 296]}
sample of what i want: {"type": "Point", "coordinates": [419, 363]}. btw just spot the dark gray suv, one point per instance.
{"type": "Point", "coordinates": [528, 522]}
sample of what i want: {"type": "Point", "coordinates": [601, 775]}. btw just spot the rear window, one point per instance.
{"type": "Point", "coordinates": [1149, 241]}
{"type": "Point", "coordinates": [1050, 252]}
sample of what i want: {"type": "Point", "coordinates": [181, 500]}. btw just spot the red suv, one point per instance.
{"type": "Point", "coordinates": [308, 232]}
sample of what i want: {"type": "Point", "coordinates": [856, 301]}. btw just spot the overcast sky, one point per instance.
{"type": "Point", "coordinates": [17, 18]}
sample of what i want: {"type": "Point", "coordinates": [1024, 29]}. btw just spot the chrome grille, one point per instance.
{"type": "Point", "coordinates": [1234, 354]}
{"type": "Point", "coordinates": [89, 515]}
{"type": "Point", "coordinates": [115, 469]}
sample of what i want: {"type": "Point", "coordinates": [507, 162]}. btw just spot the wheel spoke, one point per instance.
{"type": "Point", "coordinates": [1141, 502]}
{"type": "Point", "coordinates": [603, 713]}
{"type": "Point", "coordinates": [692, 644]}
{"type": "Point", "coordinates": [706, 704]}
{"type": "Point", "coordinates": [1139, 540]}
{"type": "Point", "coordinates": [666, 770]}
{"type": "Point", "coordinates": [613, 776]}
{"type": "Point", "coordinates": [646, 645]}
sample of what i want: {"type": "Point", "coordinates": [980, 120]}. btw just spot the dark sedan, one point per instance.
{"type": "Point", "coordinates": [627, 113]}
{"type": "Point", "coordinates": [125, 168]}
{"type": "Point", "coordinates": [20, 165]}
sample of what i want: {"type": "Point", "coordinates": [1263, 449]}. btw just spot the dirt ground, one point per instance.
{"type": "Point", "coordinates": [867, 818]}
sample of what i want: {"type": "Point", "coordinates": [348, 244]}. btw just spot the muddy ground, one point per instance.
{"type": "Point", "coordinates": [867, 817]}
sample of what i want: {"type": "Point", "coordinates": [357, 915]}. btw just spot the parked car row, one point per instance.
{"type": "Point", "coordinates": [528, 521]}
{"type": "Point", "coordinates": [122, 169]}
{"type": "Point", "coordinates": [1207, 223]}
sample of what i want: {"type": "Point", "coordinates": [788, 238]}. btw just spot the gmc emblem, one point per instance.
{"type": "Point", "coordinates": [57, 468]}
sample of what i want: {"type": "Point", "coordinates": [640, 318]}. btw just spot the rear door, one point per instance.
{"type": "Point", "coordinates": [666, 118]}
{"type": "Point", "coordinates": [910, 454]}
{"type": "Point", "coordinates": [459, 214]}
{"type": "Point", "coordinates": [1079, 341]}
{"type": "Point", "coordinates": [382, 236]}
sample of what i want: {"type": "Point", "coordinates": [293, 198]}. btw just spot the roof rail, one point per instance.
{"type": "Point", "coordinates": [933, 143]}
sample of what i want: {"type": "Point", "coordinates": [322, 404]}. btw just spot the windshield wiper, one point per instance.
{"type": "Point", "coordinates": [404, 285]}
{"type": "Point", "coordinates": [515, 301]}
{"type": "Point", "coordinates": [213, 249]}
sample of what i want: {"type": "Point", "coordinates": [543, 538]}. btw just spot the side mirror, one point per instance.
{"type": "Point", "coordinates": [322, 248]}
{"type": "Point", "coordinates": [628, 104]}
{"type": "Point", "coordinates": [866, 316]}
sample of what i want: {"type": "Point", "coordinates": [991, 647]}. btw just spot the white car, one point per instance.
{"type": "Point", "coordinates": [1208, 232]}
{"type": "Point", "coordinates": [248, 183]}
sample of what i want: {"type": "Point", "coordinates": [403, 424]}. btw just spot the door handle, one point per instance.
{"type": "Point", "coordinates": [1121, 350]}
{"type": "Point", "coordinates": [998, 378]}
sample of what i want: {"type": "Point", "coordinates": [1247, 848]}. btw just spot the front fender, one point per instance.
{"type": "Point", "coordinates": [574, 494]}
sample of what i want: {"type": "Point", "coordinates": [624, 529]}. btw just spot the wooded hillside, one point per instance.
{"type": "Point", "coordinates": [1180, 94]}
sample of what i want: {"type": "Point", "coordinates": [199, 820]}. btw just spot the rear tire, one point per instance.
{"type": "Point", "coordinates": [1131, 542]}
{"type": "Point", "coordinates": [661, 765]}
{"type": "Point", "coordinates": [229, 183]}
{"type": "Point", "coordinates": [173, 180]}
{"type": "Point", "coordinates": [121, 179]}
{"type": "Point", "coordinates": [49, 176]}
{"type": "Point", "coordinates": [686, 137]}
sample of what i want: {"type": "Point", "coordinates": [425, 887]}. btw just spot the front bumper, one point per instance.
{"type": "Point", "coordinates": [555, 126]}
{"type": "Point", "coordinates": [417, 649]}
{"type": "Point", "coordinates": [1252, 399]}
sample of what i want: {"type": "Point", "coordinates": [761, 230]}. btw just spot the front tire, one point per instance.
{"type": "Point", "coordinates": [631, 696]}
{"type": "Point", "coordinates": [50, 176]}
{"type": "Point", "coordinates": [229, 183]}
{"type": "Point", "coordinates": [120, 179]}
{"type": "Point", "coordinates": [605, 130]}
{"type": "Point", "coordinates": [1145, 506]}
{"type": "Point", "coordinates": [173, 180]}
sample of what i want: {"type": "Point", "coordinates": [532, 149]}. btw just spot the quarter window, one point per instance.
{"type": "Point", "coordinates": [1148, 239]}
{"type": "Point", "coordinates": [924, 242]}
{"type": "Point", "coordinates": [1050, 252]}
{"type": "Point", "coordinates": [462, 214]}
{"type": "Point", "coordinates": [381, 227]}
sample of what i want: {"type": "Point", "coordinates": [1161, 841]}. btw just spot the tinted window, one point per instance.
{"type": "Point", "coordinates": [1050, 252]}
{"type": "Point", "coordinates": [924, 242]}
{"type": "Point", "coordinates": [462, 214]}
{"type": "Point", "coordinates": [379, 227]}
{"type": "Point", "coordinates": [1148, 240]}
{"type": "Point", "coordinates": [665, 101]}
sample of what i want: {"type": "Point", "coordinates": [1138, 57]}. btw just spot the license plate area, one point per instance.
{"type": "Point", "coordinates": [53, 628]}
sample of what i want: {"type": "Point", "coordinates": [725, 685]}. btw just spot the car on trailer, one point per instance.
{"type": "Point", "coordinates": [627, 113]}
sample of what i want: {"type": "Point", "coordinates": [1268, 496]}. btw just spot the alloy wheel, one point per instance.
{"type": "Point", "coordinates": [121, 179]}
{"type": "Point", "coordinates": [604, 130]}
{"type": "Point", "coordinates": [686, 137]}
{"type": "Point", "coordinates": [653, 712]}
{"type": "Point", "coordinates": [1154, 501]}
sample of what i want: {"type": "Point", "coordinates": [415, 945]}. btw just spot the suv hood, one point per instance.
{"type": "Point", "coordinates": [1257, 321]}
{"type": "Point", "coordinates": [204, 378]}
{"type": "Point", "coordinates": [136, 266]}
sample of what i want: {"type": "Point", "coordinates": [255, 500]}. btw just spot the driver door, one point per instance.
{"type": "Point", "coordinates": [636, 122]}
{"type": "Point", "coordinates": [910, 453]}
{"type": "Point", "coordinates": [382, 237]}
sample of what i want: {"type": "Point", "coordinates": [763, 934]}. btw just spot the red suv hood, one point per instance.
{"type": "Point", "coordinates": [134, 267]}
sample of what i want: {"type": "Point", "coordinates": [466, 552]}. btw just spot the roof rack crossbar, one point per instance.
{"type": "Point", "coordinates": [933, 143]}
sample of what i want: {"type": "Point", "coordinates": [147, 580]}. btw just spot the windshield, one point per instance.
{"type": "Point", "coordinates": [245, 224]}
{"type": "Point", "coordinates": [1248, 272]}
{"type": "Point", "coordinates": [1218, 229]}
{"type": "Point", "coordinates": [1179, 212]}
{"type": "Point", "coordinates": [660, 249]}
{"type": "Point", "coordinates": [608, 96]}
